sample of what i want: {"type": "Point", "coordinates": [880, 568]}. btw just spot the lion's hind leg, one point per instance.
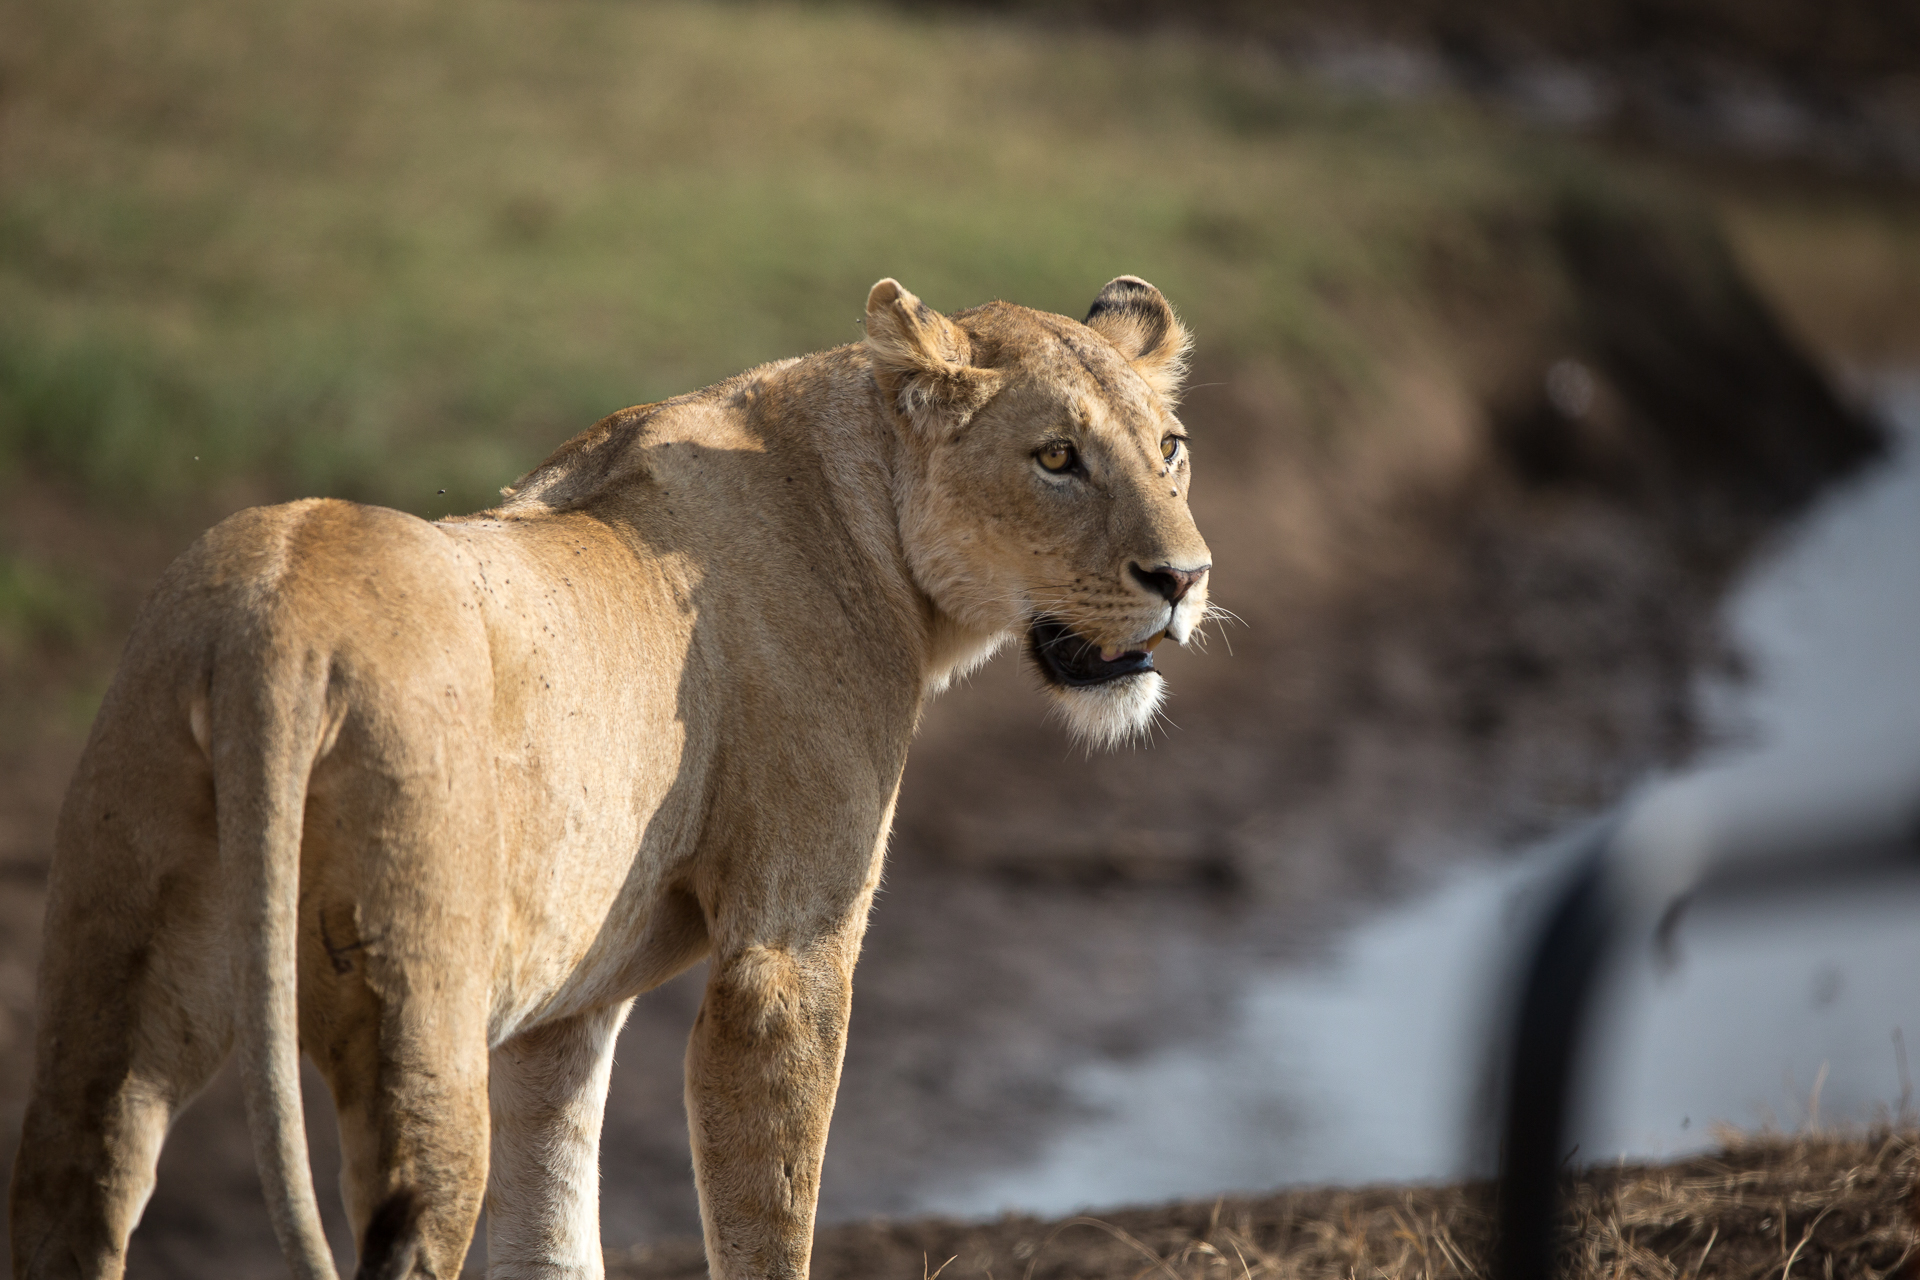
{"type": "Point", "coordinates": [401, 1043]}
{"type": "Point", "coordinates": [399, 939]}
{"type": "Point", "coordinates": [134, 1011]}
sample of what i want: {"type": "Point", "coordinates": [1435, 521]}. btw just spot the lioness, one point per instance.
{"type": "Point", "coordinates": [433, 802]}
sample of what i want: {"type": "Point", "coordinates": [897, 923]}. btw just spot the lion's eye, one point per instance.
{"type": "Point", "coordinates": [1057, 456]}
{"type": "Point", "coordinates": [1170, 447]}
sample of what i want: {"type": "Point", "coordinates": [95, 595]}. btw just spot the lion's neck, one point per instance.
{"type": "Point", "coordinates": [954, 652]}
{"type": "Point", "coordinates": [868, 472]}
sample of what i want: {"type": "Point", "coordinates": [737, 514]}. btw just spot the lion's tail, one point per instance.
{"type": "Point", "coordinates": [267, 711]}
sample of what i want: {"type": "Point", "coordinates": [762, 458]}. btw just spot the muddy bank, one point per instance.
{"type": "Point", "coordinates": [1474, 592]}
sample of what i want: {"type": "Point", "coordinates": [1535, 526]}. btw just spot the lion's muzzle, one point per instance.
{"type": "Point", "coordinates": [1067, 659]}
{"type": "Point", "coordinates": [1169, 583]}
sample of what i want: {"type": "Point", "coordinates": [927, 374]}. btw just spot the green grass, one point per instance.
{"type": "Point", "coordinates": [383, 248]}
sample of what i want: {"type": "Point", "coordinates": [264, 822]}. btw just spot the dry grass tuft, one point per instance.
{"type": "Point", "coordinates": [1808, 1208]}
{"type": "Point", "coordinates": [1812, 1207]}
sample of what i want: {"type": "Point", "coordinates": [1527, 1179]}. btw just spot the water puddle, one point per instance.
{"type": "Point", "coordinates": [1370, 1064]}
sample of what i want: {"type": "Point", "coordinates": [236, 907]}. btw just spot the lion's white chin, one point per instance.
{"type": "Point", "coordinates": [1110, 714]}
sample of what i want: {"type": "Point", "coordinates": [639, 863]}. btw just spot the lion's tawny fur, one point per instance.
{"type": "Point", "coordinates": [431, 803]}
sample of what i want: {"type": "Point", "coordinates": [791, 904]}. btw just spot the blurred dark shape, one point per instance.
{"type": "Point", "coordinates": [1812, 43]}
{"type": "Point", "coordinates": [1784, 821]}
{"type": "Point", "coordinates": [1834, 83]}
{"type": "Point", "coordinates": [1687, 397]}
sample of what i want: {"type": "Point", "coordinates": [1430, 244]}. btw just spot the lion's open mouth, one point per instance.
{"type": "Point", "coordinates": [1066, 659]}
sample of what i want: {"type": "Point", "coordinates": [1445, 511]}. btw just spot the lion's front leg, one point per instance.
{"type": "Point", "coordinates": [549, 1095]}
{"type": "Point", "coordinates": [762, 1069]}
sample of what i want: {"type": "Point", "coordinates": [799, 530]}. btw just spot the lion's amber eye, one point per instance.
{"type": "Point", "coordinates": [1170, 448]}
{"type": "Point", "coordinates": [1057, 456]}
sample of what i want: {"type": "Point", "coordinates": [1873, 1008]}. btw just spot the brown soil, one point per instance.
{"type": "Point", "coordinates": [1811, 1207]}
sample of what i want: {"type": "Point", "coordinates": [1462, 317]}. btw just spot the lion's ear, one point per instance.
{"type": "Point", "coordinates": [1131, 314]}
{"type": "Point", "coordinates": [922, 360]}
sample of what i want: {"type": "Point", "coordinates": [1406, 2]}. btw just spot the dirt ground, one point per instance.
{"type": "Point", "coordinates": [1482, 611]}
{"type": "Point", "coordinates": [1835, 1206]}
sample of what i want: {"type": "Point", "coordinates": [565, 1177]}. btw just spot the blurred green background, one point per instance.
{"type": "Point", "coordinates": [382, 249]}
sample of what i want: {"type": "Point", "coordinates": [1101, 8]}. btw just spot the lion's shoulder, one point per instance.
{"type": "Point", "coordinates": [625, 445]}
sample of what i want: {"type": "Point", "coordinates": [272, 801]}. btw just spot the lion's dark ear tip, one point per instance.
{"type": "Point", "coordinates": [1127, 286]}
{"type": "Point", "coordinates": [1123, 292]}
{"type": "Point", "coordinates": [1137, 319]}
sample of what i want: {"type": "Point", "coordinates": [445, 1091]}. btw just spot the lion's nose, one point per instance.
{"type": "Point", "coordinates": [1169, 583]}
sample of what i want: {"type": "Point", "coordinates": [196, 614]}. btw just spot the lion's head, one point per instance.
{"type": "Point", "coordinates": [1045, 488]}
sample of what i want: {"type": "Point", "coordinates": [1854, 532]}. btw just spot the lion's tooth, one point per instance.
{"type": "Point", "coordinates": [1110, 653]}
{"type": "Point", "coordinates": [1148, 646]}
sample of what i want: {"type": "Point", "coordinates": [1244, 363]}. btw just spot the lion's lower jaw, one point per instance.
{"type": "Point", "coordinates": [1110, 714]}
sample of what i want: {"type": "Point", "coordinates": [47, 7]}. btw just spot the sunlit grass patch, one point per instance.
{"type": "Point", "coordinates": [385, 249]}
